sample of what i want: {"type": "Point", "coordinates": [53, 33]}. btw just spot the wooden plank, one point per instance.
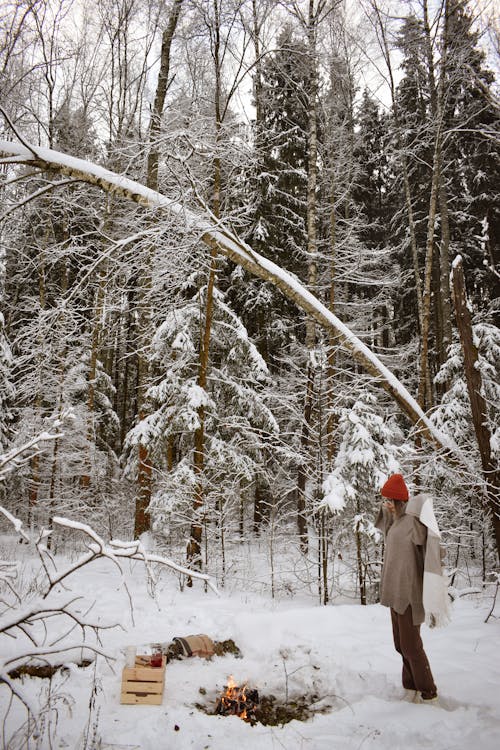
{"type": "Point", "coordinates": [145, 700]}
{"type": "Point", "coordinates": [148, 674]}
{"type": "Point", "coordinates": [134, 675]}
{"type": "Point", "coordinates": [142, 687]}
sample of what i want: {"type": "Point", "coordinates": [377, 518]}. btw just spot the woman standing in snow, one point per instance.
{"type": "Point", "coordinates": [412, 584]}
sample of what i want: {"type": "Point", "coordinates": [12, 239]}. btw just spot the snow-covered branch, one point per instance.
{"type": "Point", "coordinates": [43, 627]}
{"type": "Point", "coordinates": [116, 550]}
{"type": "Point", "coordinates": [16, 523]}
{"type": "Point", "coordinates": [21, 454]}
{"type": "Point", "coordinates": [227, 243]}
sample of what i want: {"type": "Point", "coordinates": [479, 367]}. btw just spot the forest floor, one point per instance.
{"type": "Point", "coordinates": [334, 665]}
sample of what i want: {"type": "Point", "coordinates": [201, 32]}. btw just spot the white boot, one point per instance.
{"type": "Point", "coordinates": [410, 696]}
{"type": "Point", "coordinates": [430, 701]}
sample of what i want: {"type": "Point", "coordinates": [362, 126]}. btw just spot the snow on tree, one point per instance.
{"type": "Point", "coordinates": [367, 453]}
{"type": "Point", "coordinates": [453, 413]}
{"type": "Point", "coordinates": [238, 418]}
{"type": "Point", "coordinates": [458, 493]}
{"type": "Point", "coordinates": [6, 387]}
{"type": "Point", "coordinates": [227, 243]}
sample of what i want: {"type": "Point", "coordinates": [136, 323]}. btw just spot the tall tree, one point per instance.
{"type": "Point", "coordinates": [144, 478]}
{"type": "Point", "coordinates": [481, 412]}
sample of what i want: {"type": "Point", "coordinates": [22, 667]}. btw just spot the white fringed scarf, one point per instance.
{"type": "Point", "coordinates": [435, 586]}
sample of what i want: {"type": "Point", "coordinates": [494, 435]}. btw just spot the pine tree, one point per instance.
{"type": "Point", "coordinates": [472, 156]}
{"type": "Point", "coordinates": [238, 421]}
{"type": "Point", "coordinates": [365, 263]}
{"type": "Point", "coordinates": [412, 146]}
{"type": "Point", "coordinates": [366, 454]}
{"type": "Point", "coordinates": [460, 494]}
{"type": "Point", "coordinates": [280, 187]}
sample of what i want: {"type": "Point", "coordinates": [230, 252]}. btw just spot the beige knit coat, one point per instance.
{"type": "Point", "coordinates": [401, 582]}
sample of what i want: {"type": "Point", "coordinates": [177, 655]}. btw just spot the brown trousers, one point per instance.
{"type": "Point", "coordinates": [417, 673]}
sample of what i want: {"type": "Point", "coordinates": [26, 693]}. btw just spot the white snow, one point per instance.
{"type": "Point", "coordinates": [336, 492]}
{"type": "Point", "coordinates": [197, 396]}
{"type": "Point", "coordinates": [342, 654]}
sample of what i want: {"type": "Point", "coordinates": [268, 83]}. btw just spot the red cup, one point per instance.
{"type": "Point", "coordinates": [156, 659]}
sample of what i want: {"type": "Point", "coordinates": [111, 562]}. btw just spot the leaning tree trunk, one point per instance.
{"type": "Point", "coordinates": [161, 93]}
{"type": "Point", "coordinates": [225, 242]}
{"type": "Point", "coordinates": [480, 417]}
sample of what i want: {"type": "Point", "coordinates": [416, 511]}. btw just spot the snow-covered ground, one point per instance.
{"type": "Point", "coordinates": [341, 653]}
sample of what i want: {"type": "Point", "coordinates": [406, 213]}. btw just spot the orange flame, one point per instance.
{"type": "Point", "coordinates": [234, 693]}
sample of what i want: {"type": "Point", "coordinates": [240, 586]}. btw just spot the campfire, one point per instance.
{"type": "Point", "coordinates": [239, 701]}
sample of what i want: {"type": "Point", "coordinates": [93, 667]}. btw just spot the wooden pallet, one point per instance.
{"type": "Point", "coordinates": [143, 684]}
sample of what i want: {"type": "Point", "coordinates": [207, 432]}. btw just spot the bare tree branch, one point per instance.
{"type": "Point", "coordinates": [36, 194]}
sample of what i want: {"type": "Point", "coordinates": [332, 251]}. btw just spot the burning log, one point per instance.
{"type": "Point", "coordinates": [239, 701]}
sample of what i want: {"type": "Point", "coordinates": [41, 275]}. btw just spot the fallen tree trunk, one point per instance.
{"type": "Point", "coordinates": [222, 240]}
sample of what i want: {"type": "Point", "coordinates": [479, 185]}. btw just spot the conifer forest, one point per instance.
{"type": "Point", "coordinates": [248, 269]}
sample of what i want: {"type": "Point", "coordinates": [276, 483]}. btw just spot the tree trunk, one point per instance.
{"type": "Point", "coordinates": [258, 510]}
{"type": "Point", "coordinates": [35, 461]}
{"type": "Point", "coordinates": [359, 558]}
{"type": "Point", "coordinates": [60, 399]}
{"type": "Point", "coordinates": [196, 532]}
{"type": "Point", "coordinates": [94, 351]}
{"type": "Point", "coordinates": [404, 163]}
{"type": "Point", "coordinates": [302, 470]}
{"type": "Point", "coordinates": [160, 95]}
{"type": "Point", "coordinates": [443, 298]}
{"type": "Point", "coordinates": [424, 395]}
{"type": "Point", "coordinates": [480, 417]}
{"type": "Point", "coordinates": [312, 252]}
{"type": "Point", "coordinates": [144, 475]}
{"type": "Point", "coordinates": [444, 264]}
{"type": "Point", "coordinates": [331, 420]}
{"type": "Point", "coordinates": [145, 469]}
{"type": "Point", "coordinates": [257, 79]}
{"type": "Point", "coordinates": [193, 551]}
{"type": "Point", "coordinates": [325, 548]}
{"type": "Point", "coordinates": [413, 237]}
{"type": "Point", "coordinates": [124, 346]}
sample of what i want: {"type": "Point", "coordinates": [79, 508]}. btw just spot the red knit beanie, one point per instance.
{"type": "Point", "coordinates": [395, 488]}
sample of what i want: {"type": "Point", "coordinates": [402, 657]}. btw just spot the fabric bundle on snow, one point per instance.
{"type": "Point", "coordinates": [195, 645]}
